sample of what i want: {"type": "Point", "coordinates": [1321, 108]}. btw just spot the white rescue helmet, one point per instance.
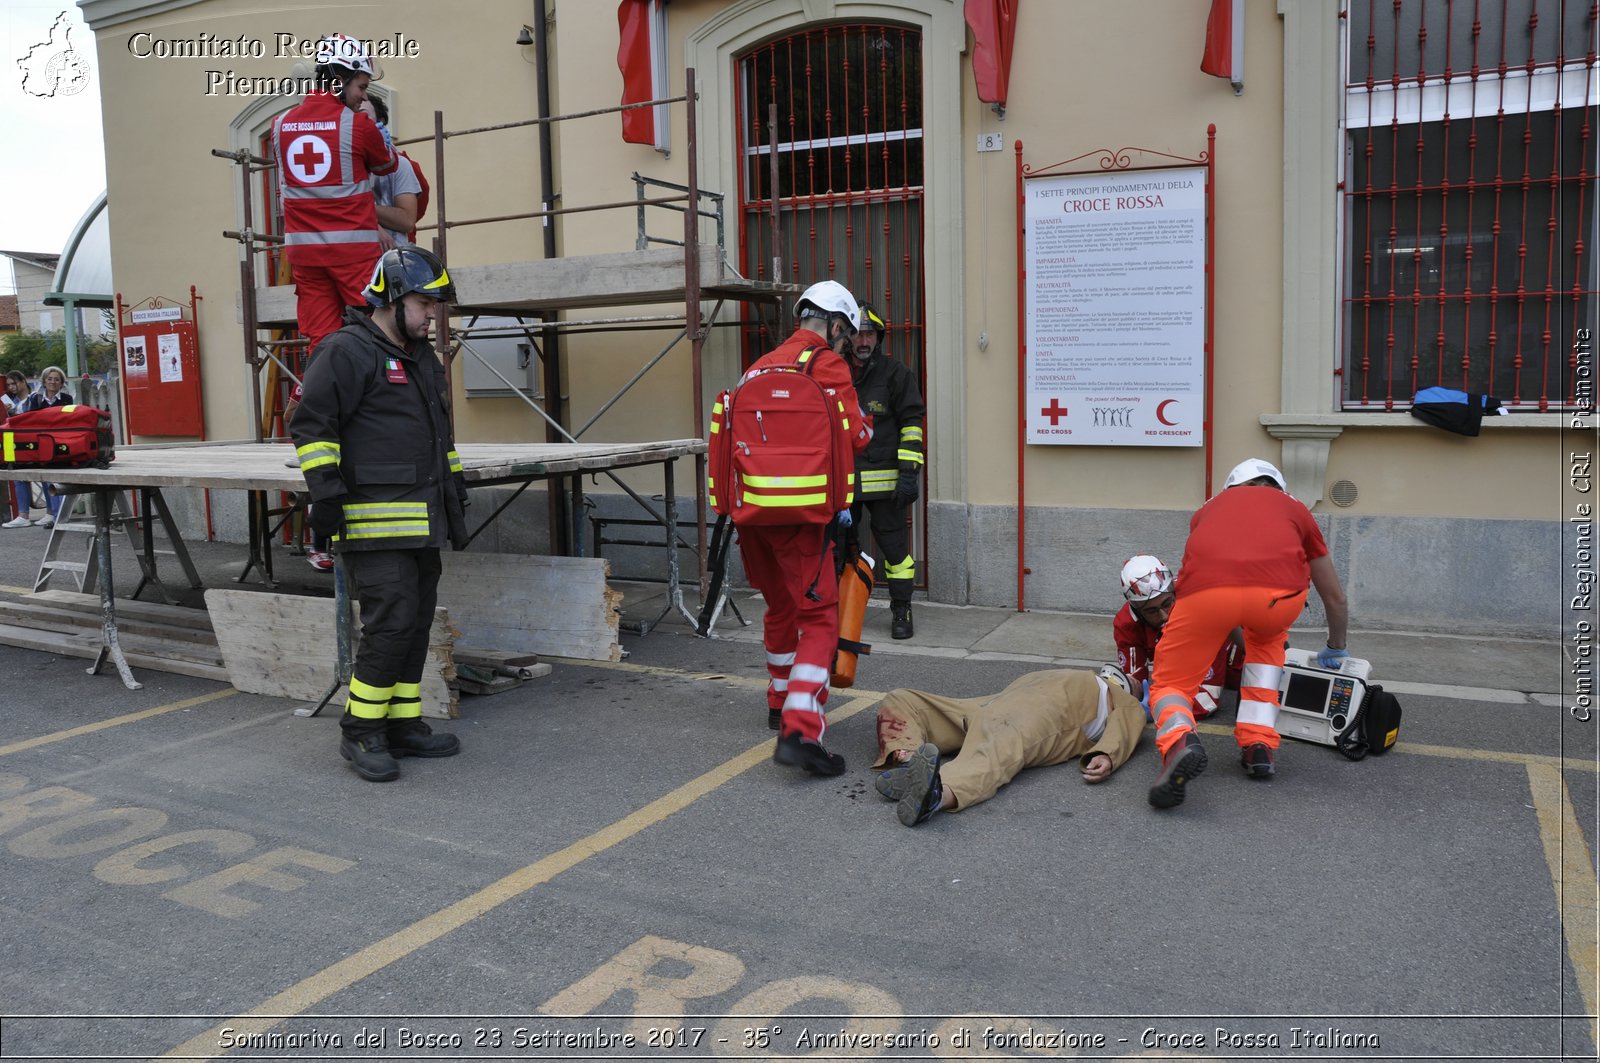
{"type": "Point", "coordinates": [1251, 468]}
{"type": "Point", "coordinates": [338, 49]}
{"type": "Point", "coordinates": [1116, 677]}
{"type": "Point", "coordinates": [1145, 577]}
{"type": "Point", "coordinates": [831, 297]}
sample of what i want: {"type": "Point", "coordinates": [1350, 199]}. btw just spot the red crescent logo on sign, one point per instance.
{"type": "Point", "coordinates": [1161, 412]}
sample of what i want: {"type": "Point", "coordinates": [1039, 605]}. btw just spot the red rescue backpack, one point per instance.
{"type": "Point", "coordinates": [780, 452]}
{"type": "Point", "coordinates": [63, 436]}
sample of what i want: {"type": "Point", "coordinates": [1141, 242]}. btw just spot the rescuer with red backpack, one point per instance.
{"type": "Point", "coordinates": [782, 467]}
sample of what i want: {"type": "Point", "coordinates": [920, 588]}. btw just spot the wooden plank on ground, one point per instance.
{"type": "Point", "coordinates": [156, 612]}
{"type": "Point", "coordinates": [24, 613]}
{"type": "Point", "coordinates": [515, 603]}
{"type": "Point", "coordinates": [86, 644]}
{"type": "Point", "coordinates": [282, 645]}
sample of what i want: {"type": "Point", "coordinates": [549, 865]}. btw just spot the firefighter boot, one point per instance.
{"type": "Point", "coordinates": [365, 744]}
{"type": "Point", "coordinates": [900, 626]}
{"type": "Point", "coordinates": [413, 738]}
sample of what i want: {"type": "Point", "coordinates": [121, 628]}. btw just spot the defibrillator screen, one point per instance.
{"type": "Point", "coordinates": [1308, 693]}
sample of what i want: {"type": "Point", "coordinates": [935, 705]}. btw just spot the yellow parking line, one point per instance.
{"type": "Point", "coordinates": [16, 590]}
{"type": "Point", "coordinates": [1573, 873]}
{"type": "Point", "coordinates": [340, 976]}
{"type": "Point", "coordinates": [115, 721]}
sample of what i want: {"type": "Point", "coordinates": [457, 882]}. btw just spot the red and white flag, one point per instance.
{"type": "Point", "coordinates": [1224, 54]}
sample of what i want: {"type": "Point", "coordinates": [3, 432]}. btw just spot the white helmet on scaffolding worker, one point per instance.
{"type": "Point", "coordinates": [344, 68]}
{"type": "Point", "coordinates": [833, 303]}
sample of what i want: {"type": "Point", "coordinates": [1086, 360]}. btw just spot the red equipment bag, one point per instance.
{"type": "Point", "coordinates": [61, 436]}
{"type": "Point", "coordinates": [779, 452]}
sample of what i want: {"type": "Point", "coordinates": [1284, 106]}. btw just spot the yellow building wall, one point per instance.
{"type": "Point", "coordinates": [1084, 77]}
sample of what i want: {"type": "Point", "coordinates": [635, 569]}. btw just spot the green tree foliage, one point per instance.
{"type": "Point", "coordinates": [31, 351]}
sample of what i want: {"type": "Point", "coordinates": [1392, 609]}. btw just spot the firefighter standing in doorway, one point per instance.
{"type": "Point", "coordinates": [792, 564]}
{"type": "Point", "coordinates": [889, 470]}
{"type": "Point", "coordinates": [375, 446]}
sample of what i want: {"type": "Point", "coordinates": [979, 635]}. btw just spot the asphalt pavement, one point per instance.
{"type": "Point", "coordinates": [614, 867]}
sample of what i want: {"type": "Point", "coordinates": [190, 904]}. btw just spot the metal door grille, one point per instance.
{"type": "Point", "coordinates": [849, 171]}
{"type": "Point", "coordinates": [1469, 196]}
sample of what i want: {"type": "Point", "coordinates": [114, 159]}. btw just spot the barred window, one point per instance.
{"type": "Point", "coordinates": [1468, 194]}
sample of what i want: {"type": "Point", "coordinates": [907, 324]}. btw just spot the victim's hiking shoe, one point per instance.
{"type": "Point", "coordinates": [368, 753]}
{"type": "Point", "coordinates": [1182, 763]}
{"type": "Point", "coordinates": [891, 782]}
{"type": "Point", "coordinates": [1257, 761]}
{"type": "Point", "coordinates": [921, 792]}
{"type": "Point", "coordinates": [413, 738]}
{"type": "Point", "coordinates": [807, 753]}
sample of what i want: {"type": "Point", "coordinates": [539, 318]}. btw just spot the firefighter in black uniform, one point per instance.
{"type": "Point", "coordinates": [373, 436]}
{"type": "Point", "coordinates": [889, 471]}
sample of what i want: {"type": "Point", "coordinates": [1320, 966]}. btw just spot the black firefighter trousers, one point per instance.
{"type": "Point", "coordinates": [398, 590]}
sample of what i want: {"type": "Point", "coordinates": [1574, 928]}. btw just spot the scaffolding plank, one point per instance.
{"type": "Point", "coordinates": [282, 645]}
{"type": "Point", "coordinates": [618, 278]}
{"type": "Point", "coordinates": [553, 606]}
{"type": "Point", "coordinates": [266, 467]}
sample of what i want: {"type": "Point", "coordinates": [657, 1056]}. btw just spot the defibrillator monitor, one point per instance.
{"type": "Point", "coordinates": [1318, 704]}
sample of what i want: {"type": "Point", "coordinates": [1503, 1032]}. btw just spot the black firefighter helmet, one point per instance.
{"type": "Point", "coordinates": [409, 269]}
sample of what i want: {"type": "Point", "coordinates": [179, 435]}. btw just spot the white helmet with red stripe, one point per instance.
{"type": "Point", "coordinates": [338, 49]}
{"type": "Point", "coordinates": [1145, 577]}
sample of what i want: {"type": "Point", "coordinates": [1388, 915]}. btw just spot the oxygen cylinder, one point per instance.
{"type": "Point", "coordinates": [855, 587]}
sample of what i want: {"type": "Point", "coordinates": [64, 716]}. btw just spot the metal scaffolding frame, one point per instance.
{"type": "Point", "coordinates": [265, 353]}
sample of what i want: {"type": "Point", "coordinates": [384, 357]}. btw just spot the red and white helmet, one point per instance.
{"type": "Point", "coordinates": [338, 49]}
{"type": "Point", "coordinates": [1144, 577]}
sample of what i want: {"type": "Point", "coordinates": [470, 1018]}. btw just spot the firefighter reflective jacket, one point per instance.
{"type": "Point", "coordinates": [888, 392]}
{"type": "Point", "coordinates": [373, 436]}
{"type": "Point", "coordinates": [327, 155]}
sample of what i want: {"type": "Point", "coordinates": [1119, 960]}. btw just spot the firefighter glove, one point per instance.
{"type": "Point", "coordinates": [1328, 657]}
{"type": "Point", "coordinates": [908, 487]}
{"type": "Point", "coordinates": [325, 517]}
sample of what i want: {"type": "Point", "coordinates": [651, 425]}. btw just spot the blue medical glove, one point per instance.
{"type": "Point", "coordinates": [1328, 657]}
{"type": "Point", "coordinates": [1145, 701]}
{"type": "Point", "coordinates": [844, 518]}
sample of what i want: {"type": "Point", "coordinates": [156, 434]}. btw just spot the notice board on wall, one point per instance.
{"type": "Point", "coordinates": [1115, 308]}
{"type": "Point", "coordinates": [160, 353]}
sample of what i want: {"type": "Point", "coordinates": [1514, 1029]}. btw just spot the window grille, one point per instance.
{"type": "Point", "coordinates": [849, 173]}
{"type": "Point", "coordinates": [1469, 188]}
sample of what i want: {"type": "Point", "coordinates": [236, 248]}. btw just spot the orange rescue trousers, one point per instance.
{"type": "Point", "coordinates": [1201, 620]}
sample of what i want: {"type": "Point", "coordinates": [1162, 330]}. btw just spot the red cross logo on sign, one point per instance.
{"type": "Point", "coordinates": [309, 159]}
{"type": "Point", "coordinates": [1055, 411]}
